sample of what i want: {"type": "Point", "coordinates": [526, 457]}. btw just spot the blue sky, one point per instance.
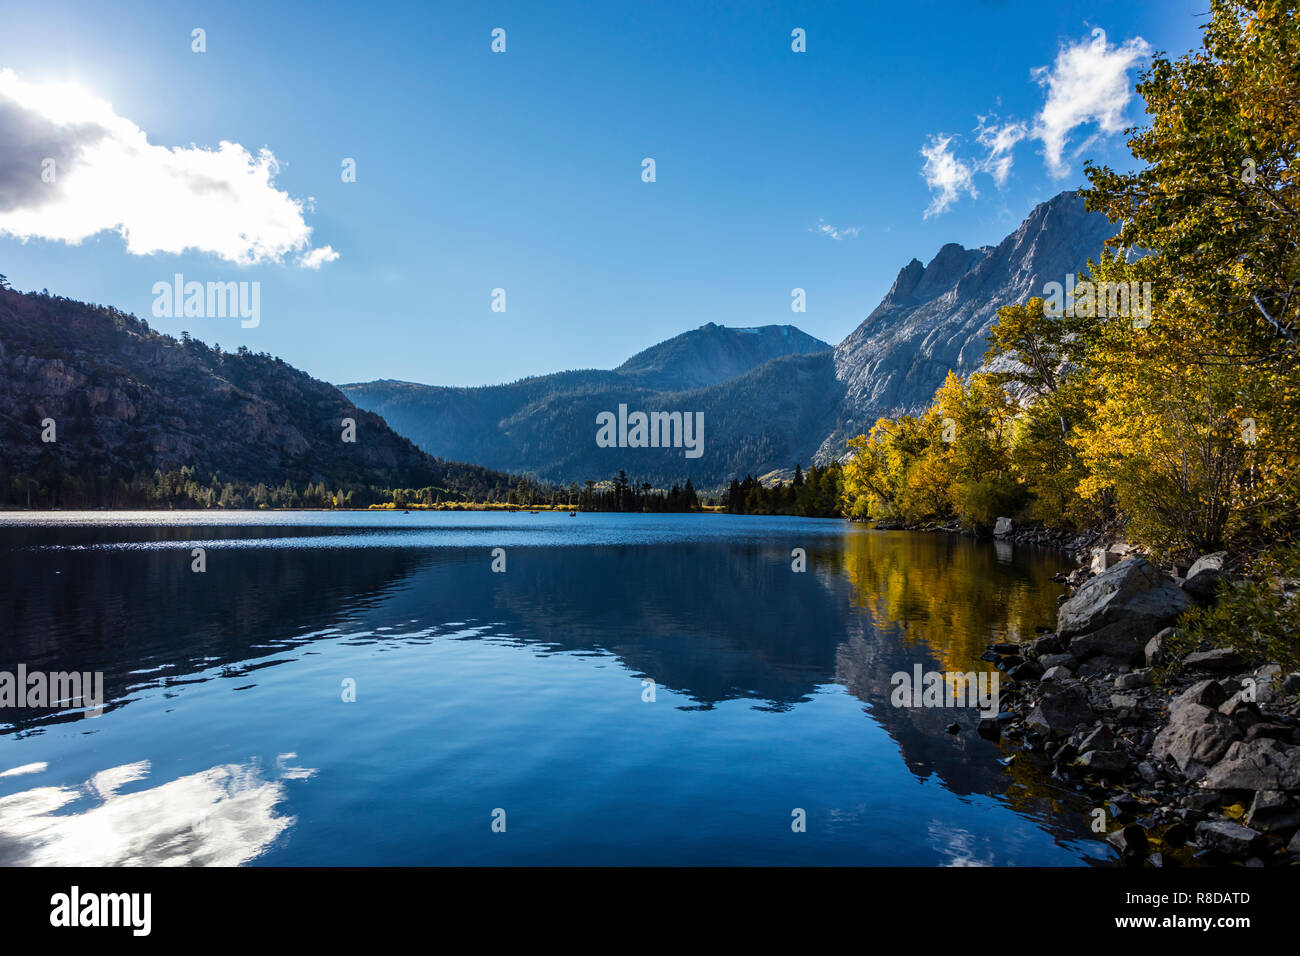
{"type": "Point", "coordinates": [522, 170]}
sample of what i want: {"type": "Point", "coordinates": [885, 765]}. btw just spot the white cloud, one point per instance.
{"type": "Point", "coordinates": [314, 258]}
{"type": "Point", "coordinates": [826, 229]}
{"type": "Point", "coordinates": [1000, 141]}
{"type": "Point", "coordinates": [945, 174]}
{"type": "Point", "coordinates": [1089, 83]}
{"type": "Point", "coordinates": [107, 176]}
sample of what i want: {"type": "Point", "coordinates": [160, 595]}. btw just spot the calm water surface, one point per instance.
{"type": "Point", "coordinates": [227, 740]}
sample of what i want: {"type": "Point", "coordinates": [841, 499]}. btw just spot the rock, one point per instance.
{"type": "Point", "coordinates": [1177, 835]}
{"type": "Point", "coordinates": [1218, 661]}
{"type": "Point", "coordinates": [1202, 802]}
{"type": "Point", "coordinates": [1099, 739]}
{"type": "Point", "coordinates": [1059, 660]}
{"type": "Point", "coordinates": [1002, 527]}
{"type": "Point", "coordinates": [1133, 680]}
{"type": "Point", "coordinates": [1195, 738]}
{"type": "Point", "coordinates": [1057, 673]}
{"type": "Point", "coordinates": [1115, 613]}
{"type": "Point", "coordinates": [1061, 709]}
{"type": "Point", "coordinates": [1103, 559]}
{"type": "Point", "coordinates": [1154, 652]}
{"type": "Point", "coordinates": [1294, 846]}
{"type": "Point", "coordinates": [990, 728]}
{"type": "Point", "coordinates": [1047, 644]}
{"type": "Point", "coordinates": [1206, 693]}
{"type": "Point", "coordinates": [1272, 810]}
{"type": "Point", "coordinates": [1204, 575]}
{"type": "Point", "coordinates": [1291, 684]}
{"type": "Point", "coordinates": [1256, 765]}
{"type": "Point", "coordinates": [1130, 841]}
{"type": "Point", "coordinates": [1103, 761]}
{"type": "Point", "coordinates": [1244, 713]}
{"type": "Point", "coordinates": [954, 728]}
{"type": "Point", "coordinates": [1123, 702]}
{"type": "Point", "coordinates": [1269, 730]}
{"type": "Point", "coordinates": [1005, 648]}
{"type": "Point", "coordinates": [1026, 670]}
{"type": "Point", "coordinates": [1227, 837]}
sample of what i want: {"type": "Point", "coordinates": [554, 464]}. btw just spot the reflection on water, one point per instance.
{"type": "Point", "coordinates": [224, 816]}
{"type": "Point", "coordinates": [522, 690]}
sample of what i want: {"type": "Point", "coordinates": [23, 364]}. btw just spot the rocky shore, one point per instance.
{"type": "Point", "coordinates": [1194, 758]}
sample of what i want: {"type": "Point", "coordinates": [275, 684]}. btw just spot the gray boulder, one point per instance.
{"type": "Point", "coordinates": [1061, 709]}
{"type": "Point", "coordinates": [1273, 810]}
{"type": "Point", "coordinates": [1103, 761]}
{"type": "Point", "coordinates": [1207, 693]}
{"type": "Point", "coordinates": [1203, 576]}
{"type": "Point", "coordinates": [1227, 837]}
{"type": "Point", "coordinates": [1221, 660]}
{"type": "Point", "coordinates": [1154, 652]}
{"type": "Point", "coordinates": [1133, 680]}
{"type": "Point", "coordinates": [1002, 527]}
{"type": "Point", "coordinates": [1260, 764]}
{"type": "Point", "coordinates": [1113, 615]}
{"type": "Point", "coordinates": [1196, 738]}
{"type": "Point", "coordinates": [1059, 660]}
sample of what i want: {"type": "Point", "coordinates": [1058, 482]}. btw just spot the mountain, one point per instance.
{"type": "Point", "coordinates": [126, 401]}
{"type": "Point", "coordinates": [937, 317]}
{"type": "Point", "coordinates": [770, 396]}
{"type": "Point", "coordinates": [714, 353]}
{"type": "Point", "coordinates": [755, 388]}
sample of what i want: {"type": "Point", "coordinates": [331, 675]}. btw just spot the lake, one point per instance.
{"type": "Point", "coordinates": [360, 688]}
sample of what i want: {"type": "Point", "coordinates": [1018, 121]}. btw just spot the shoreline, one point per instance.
{"type": "Point", "coordinates": [1191, 758]}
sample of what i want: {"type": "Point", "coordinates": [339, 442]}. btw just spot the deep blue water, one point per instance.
{"type": "Point", "coordinates": [227, 739]}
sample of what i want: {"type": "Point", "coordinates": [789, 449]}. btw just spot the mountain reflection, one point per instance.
{"type": "Point", "coordinates": [714, 619]}
{"type": "Point", "coordinates": [223, 816]}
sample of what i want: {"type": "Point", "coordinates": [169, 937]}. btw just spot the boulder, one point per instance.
{"type": "Point", "coordinates": [1131, 841]}
{"type": "Point", "coordinates": [1047, 644]}
{"type": "Point", "coordinates": [1154, 652]}
{"type": "Point", "coordinates": [1103, 761]}
{"type": "Point", "coordinates": [1273, 810]}
{"type": "Point", "coordinates": [1114, 614]}
{"type": "Point", "coordinates": [1221, 660]}
{"type": "Point", "coordinates": [1061, 709]}
{"type": "Point", "coordinates": [1261, 764]}
{"type": "Point", "coordinates": [1057, 673]}
{"type": "Point", "coordinates": [1207, 693]}
{"type": "Point", "coordinates": [1103, 559]}
{"type": "Point", "coordinates": [1002, 527]}
{"type": "Point", "coordinates": [1100, 739]}
{"type": "Point", "coordinates": [1133, 680]}
{"type": "Point", "coordinates": [1227, 837]}
{"type": "Point", "coordinates": [1195, 738]}
{"type": "Point", "coordinates": [1058, 660]}
{"type": "Point", "coordinates": [1124, 702]}
{"type": "Point", "coordinates": [1204, 575]}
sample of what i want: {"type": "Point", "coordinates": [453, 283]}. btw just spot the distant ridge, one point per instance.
{"type": "Point", "coordinates": [128, 401]}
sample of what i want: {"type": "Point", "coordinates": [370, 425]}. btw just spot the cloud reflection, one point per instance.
{"type": "Point", "coordinates": [224, 816]}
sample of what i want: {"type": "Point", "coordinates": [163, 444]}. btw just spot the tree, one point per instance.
{"type": "Point", "coordinates": [1192, 424]}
